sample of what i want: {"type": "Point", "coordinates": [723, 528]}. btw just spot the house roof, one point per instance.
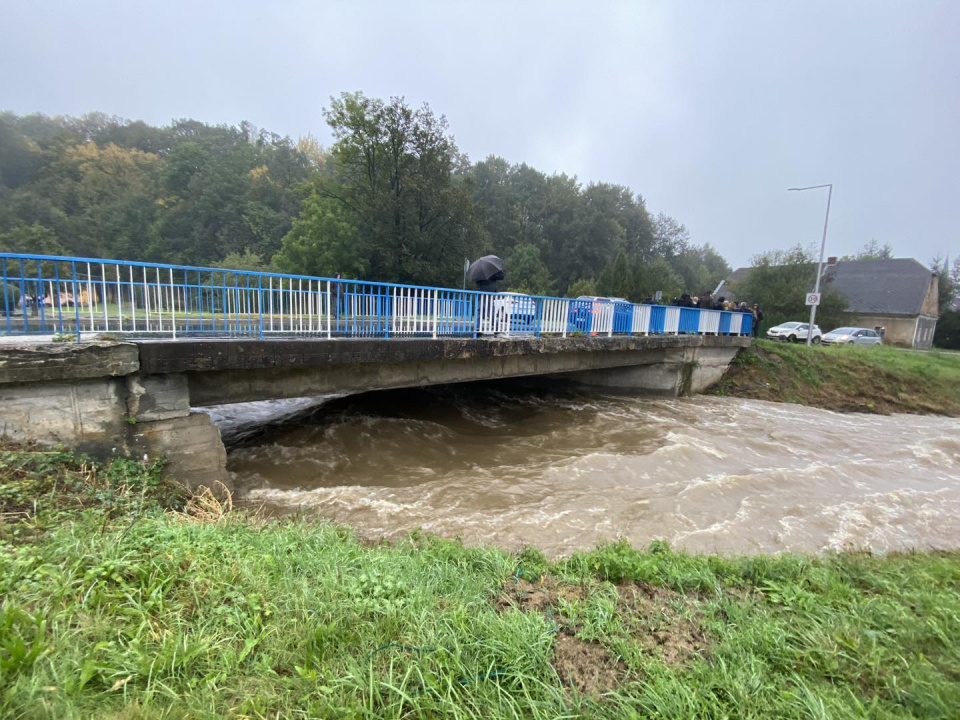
{"type": "Point", "coordinates": [897, 286]}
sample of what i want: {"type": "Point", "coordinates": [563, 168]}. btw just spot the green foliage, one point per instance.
{"type": "Point", "coordinates": [396, 206]}
{"type": "Point", "coordinates": [323, 241]}
{"type": "Point", "coordinates": [872, 251]}
{"type": "Point", "coordinates": [105, 187]}
{"type": "Point", "coordinates": [948, 282]}
{"type": "Point", "coordinates": [779, 281]}
{"type": "Point", "coordinates": [947, 334]}
{"type": "Point", "coordinates": [582, 287]}
{"type": "Point", "coordinates": [877, 378]}
{"type": "Point", "coordinates": [528, 274]}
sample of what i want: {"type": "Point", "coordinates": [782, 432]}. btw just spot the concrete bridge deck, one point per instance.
{"type": "Point", "coordinates": [135, 398]}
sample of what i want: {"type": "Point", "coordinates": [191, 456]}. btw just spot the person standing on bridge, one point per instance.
{"type": "Point", "coordinates": [757, 319]}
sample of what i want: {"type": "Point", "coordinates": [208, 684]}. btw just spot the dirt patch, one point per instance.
{"type": "Point", "coordinates": [528, 597]}
{"type": "Point", "coordinates": [663, 623]}
{"type": "Point", "coordinates": [587, 666]}
{"type": "Point", "coordinates": [657, 620]}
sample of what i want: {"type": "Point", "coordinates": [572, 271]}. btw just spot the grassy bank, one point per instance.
{"type": "Point", "coordinates": [120, 600]}
{"type": "Point", "coordinates": [880, 380]}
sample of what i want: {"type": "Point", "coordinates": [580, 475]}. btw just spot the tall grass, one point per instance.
{"type": "Point", "coordinates": [126, 610]}
{"type": "Point", "coordinates": [864, 379]}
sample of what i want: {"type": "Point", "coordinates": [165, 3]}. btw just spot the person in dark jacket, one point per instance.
{"type": "Point", "coordinates": [757, 319]}
{"type": "Point", "coordinates": [706, 301]}
{"type": "Point", "coordinates": [685, 301]}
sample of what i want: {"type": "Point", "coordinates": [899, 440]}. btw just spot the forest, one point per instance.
{"type": "Point", "coordinates": [392, 199]}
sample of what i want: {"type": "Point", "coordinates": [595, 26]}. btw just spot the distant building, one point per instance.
{"type": "Point", "coordinates": [899, 295]}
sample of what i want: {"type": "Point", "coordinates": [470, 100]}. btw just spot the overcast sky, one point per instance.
{"type": "Point", "coordinates": [710, 110]}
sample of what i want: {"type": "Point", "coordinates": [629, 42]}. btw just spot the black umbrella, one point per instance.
{"type": "Point", "coordinates": [485, 269]}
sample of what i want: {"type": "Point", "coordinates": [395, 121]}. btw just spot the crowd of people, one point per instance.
{"type": "Point", "coordinates": [707, 302]}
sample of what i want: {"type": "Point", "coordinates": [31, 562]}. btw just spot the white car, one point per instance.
{"type": "Point", "coordinates": [516, 305]}
{"type": "Point", "coordinates": [795, 332]}
{"type": "Point", "coordinates": [852, 336]}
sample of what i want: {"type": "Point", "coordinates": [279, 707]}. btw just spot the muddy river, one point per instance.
{"type": "Point", "coordinates": [511, 464]}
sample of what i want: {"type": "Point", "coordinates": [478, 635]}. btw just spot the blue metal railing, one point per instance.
{"type": "Point", "coordinates": [46, 295]}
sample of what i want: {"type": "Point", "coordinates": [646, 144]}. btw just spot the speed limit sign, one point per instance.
{"type": "Point", "coordinates": [813, 298]}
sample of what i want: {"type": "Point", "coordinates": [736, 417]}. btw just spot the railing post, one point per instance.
{"type": "Point", "coordinates": [260, 304]}
{"type": "Point", "coordinates": [56, 296]}
{"type": "Point", "coordinates": [6, 299]}
{"type": "Point", "coordinates": [173, 308]}
{"type": "Point", "coordinates": [436, 309]}
{"type": "Point", "coordinates": [329, 312]}
{"type": "Point", "coordinates": [76, 302]}
{"type": "Point", "coordinates": [539, 316]}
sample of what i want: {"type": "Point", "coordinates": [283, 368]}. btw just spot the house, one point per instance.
{"type": "Point", "coordinates": [899, 295]}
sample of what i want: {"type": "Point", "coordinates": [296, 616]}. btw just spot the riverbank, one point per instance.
{"type": "Point", "coordinates": [123, 598]}
{"type": "Point", "coordinates": [882, 380]}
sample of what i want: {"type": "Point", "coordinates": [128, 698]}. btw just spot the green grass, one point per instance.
{"type": "Point", "coordinates": [865, 379]}
{"type": "Point", "coordinates": [113, 607]}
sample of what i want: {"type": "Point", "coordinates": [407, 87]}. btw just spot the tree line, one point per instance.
{"type": "Point", "coordinates": [393, 199]}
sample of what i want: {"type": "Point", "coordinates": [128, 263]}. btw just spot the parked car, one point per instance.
{"type": "Point", "coordinates": [516, 305]}
{"type": "Point", "coordinates": [795, 332]}
{"type": "Point", "coordinates": [587, 305]}
{"type": "Point", "coordinates": [852, 336]}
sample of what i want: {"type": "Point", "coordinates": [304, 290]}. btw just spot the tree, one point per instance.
{"type": "Point", "coordinates": [323, 241]}
{"type": "Point", "coordinates": [525, 271]}
{"type": "Point", "coordinates": [249, 261]}
{"type": "Point", "coordinates": [619, 280]}
{"type": "Point", "coordinates": [404, 205]}
{"type": "Point", "coordinates": [779, 281]}
{"type": "Point", "coordinates": [946, 282]}
{"type": "Point", "coordinates": [872, 251]}
{"type": "Point", "coordinates": [658, 275]}
{"type": "Point", "coordinates": [189, 192]}
{"type": "Point", "coordinates": [583, 286]}
{"type": "Point", "coordinates": [947, 334]}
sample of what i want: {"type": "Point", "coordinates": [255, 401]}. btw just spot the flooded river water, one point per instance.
{"type": "Point", "coordinates": [563, 469]}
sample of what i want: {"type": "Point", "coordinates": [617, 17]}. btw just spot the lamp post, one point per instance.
{"type": "Point", "coordinates": [823, 244]}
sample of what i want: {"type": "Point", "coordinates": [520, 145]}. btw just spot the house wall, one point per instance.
{"type": "Point", "coordinates": [931, 301]}
{"type": "Point", "coordinates": [926, 327]}
{"type": "Point", "coordinates": [898, 330]}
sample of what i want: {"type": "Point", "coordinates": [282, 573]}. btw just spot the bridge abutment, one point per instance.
{"type": "Point", "coordinates": [92, 398]}
{"type": "Point", "coordinates": [671, 372]}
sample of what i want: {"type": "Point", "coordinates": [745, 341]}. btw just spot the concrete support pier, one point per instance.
{"type": "Point", "coordinates": [134, 399]}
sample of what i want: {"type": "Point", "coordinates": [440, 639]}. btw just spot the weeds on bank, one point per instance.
{"type": "Point", "coordinates": [104, 618]}
{"type": "Point", "coordinates": [865, 379]}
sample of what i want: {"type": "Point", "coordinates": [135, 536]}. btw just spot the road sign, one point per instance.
{"type": "Point", "coordinates": [659, 295]}
{"type": "Point", "coordinates": [813, 298]}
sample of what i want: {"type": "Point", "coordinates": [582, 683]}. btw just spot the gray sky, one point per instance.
{"type": "Point", "coordinates": [709, 109]}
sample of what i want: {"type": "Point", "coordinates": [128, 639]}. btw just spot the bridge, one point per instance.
{"type": "Point", "coordinates": [110, 357]}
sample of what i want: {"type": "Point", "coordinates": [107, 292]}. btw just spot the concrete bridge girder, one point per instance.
{"type": "Point", "coordinates": [135, 399]}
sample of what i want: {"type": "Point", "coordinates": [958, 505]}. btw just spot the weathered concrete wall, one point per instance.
{"type": "Point", "coordinates": [87, 414]}
{"type": "Point", "coordinates": [92, 398]}
{"type": "Point", "coordinates": [671, 372]}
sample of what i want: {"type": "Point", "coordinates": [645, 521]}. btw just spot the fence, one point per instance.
{"type": "Point", "coordinates": [47, 295]}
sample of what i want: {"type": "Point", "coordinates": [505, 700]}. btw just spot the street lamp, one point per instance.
{"type": "Point", "coordinates": [823, 244]}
